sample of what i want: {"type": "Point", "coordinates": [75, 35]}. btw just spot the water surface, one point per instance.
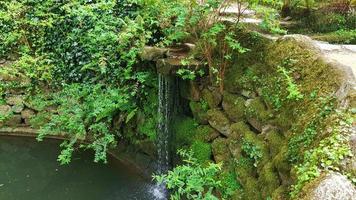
{"type": "Point", "coordinates": [29, 171]}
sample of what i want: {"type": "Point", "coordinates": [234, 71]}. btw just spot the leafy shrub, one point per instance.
{"type": "Point", "coordinates": [252, 151]}
{"type": "Point", "coordinates": [191, 180]}
{"type": "Point", "coordinates": [85, 112]}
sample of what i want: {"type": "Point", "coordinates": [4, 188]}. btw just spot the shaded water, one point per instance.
{"type": "Point", "coordinates": [29, 171]}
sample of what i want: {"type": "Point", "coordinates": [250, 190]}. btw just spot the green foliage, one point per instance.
{"type": "Point", "coordinates": [300, 141]}
{"type": "Point", "coordinates": [326, 156]}
{"type": "Point", "coordinates": [201, 151]}
{"type": "Point", "coordinates": [229, 184]}
{"type": "Point", "coordinates": [185, 130]}
{"type": "Point", "coordinates": [254, 152]}
{"type": "Point", "coordinates": [85, 112]}
{"type": "Point", "coordinates": [270, 20]}
{"type": "Point", "coordinates": [292, 88]}
{"type": "Point", "coordinates": [191, 180]}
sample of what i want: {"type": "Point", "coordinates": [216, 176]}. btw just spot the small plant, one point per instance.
{"type": "Point", "coordinates": [252, 151]}
{"type": "Point", "coordinates": [294, 93]}
{"type": "Point", "coordinates": [191, 180]}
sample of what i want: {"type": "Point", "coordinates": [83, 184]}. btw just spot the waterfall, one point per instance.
{"type": "Point", "coordinates": [166, 110]}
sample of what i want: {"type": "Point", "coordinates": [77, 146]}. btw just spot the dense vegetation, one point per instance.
{"type": "Point", "coordinates": [82, 57]}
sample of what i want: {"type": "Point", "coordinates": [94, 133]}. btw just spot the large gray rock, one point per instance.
{"type": "Point", "coordinates": [332, 186]}
{"type": "Point", "coordinates": [153, 53]}
{"type": "Point", "coordinates": [219, 121]}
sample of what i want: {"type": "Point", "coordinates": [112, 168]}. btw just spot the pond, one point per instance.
{"type": "Point", "coordinates": [29, 171]}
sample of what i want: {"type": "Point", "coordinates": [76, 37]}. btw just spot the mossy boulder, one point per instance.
{"type": "Point", "coordinates": [251, 189]}
{"type": "Point", "coordinates": [206, 133]}
{"type": "Point", "coordinates": [281, 163]}
{"type": "Point", "coordinates": [199, 111]}
{"type": "Point", "coordinates": [220, 150]}
{"type": "Point", "coordinates": [281, 193]}
{"type": "Point", "coordinates": [244, 169]}
{"type": "Point", "coordinates": [275, 141]}
{"type": "Point", "coordinates": [212, 96]}
{"type": "Point", "coordinates": [268, 180]}
{"type": "Point", "coordinates": [234, 106]}
{"type": "Point", "coordinates": [219, 121]}
{"type": "Point", "coordinates": [257, 113]}
{"type": "Point", "coordinates": [239, 129]}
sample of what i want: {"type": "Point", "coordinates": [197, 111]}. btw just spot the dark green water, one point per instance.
{"type": "Point", "coordinates": [29, 171]}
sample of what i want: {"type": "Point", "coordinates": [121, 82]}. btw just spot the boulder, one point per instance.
{"type": "Point", "coordinates": [5, 110]}
{"type": "Point", "coordinates": [257, 113]}
{"type": "Point", "coordinates": [268, 180]}
{"type": "Point", "coordinates": [238, 130]}
{"type": "Point", "coordinates": [212, 97]}
{"type": "Point", "coordinates": [219, 121]}
{"type": "Point", "coordinates": [14, 120]}
{"type": "Point", "coordinates": [26, 115]}
{"type": "Point", "coordinates": [331, 186]}
{"type": "Point", "coordinates": [14, 100]}
{"type": "Point", "coordinates": [153, 53]}
{"type": "Point", "coordinates": [17, 108]}
{"type": "Point", "coordinates": [220, 150]}
{"type": "Point", "coordinates": [199, 112]}
{"type": "Point", "coordinates": [206, 133]}
{"type": "Point", "coordinates": [234, 106]}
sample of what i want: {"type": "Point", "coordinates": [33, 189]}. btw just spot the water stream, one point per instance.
{"type": "Point", "coordinates": [166, 110]}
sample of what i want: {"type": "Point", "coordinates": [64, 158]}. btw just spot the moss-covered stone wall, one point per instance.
{"type": "Point", "coordinates": [281, 101]}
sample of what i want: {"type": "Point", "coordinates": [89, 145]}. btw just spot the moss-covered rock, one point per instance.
{"type": "Point", "coordinates": [281, 193]}
{"type": "Point", "coordinates": [220, 150]}
{"type": "Point", "coordinates": [199, 111]}
{"type": "Point", "coordinates": [268, 180]}
{"type": "Point", "coordinates": [257, 113]}
{"type": "Point", "coordinates": [275, 141]}
{"type": "Point", "coordinates": [212, 97]}
{"type": "Point", "coordinates": [251, 189]}
{"type": "Point", "coordinates": [206, 133]}
{"type": "Point", "coordinates": [281, 163]}
{"type": "Point", "coordinates": [234, 106]}
{"type": "Point", "coordinates": [219, 121]}
{"type": "Point", "coordinates": [239, 129]}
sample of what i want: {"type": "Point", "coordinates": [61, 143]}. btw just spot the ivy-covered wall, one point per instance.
{"type": "Point", "coordinates": [283, 120]}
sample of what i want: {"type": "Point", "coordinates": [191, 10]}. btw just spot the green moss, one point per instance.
{"type": "Point", "coordinates": [199, 109]}
{"type": "Point", "coordinates": [257, 109]}
{"type": "Point", "coordinates": [244, 169]}
{"type": "Point", "coordinates": [185, 130]}
{"type": "Point", "coordinates": [338, 37]}
{"type": "Point", "coordinates": [201, 151]}
{"type": "Point", "coordinates": [206, 133]}
{"type": "Point", "coordinates": [239, 129]}
{"type": "Point", "coordinates": [229, 184]}
{"type": "Point", "coordinates": [221, 151]}
{"type": "Point", "coordinates": [234, 106]}
{"type": "Point", "coordinates": [268, 180]}
{"type": "Point", "coordinates": [275, 141]}
{"type": "Point", "coordinates": [281, 193]}
{"type": "Point", "coordinates": [251, 189]}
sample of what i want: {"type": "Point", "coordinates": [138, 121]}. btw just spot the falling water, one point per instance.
{"type": "Point", "coordinates": [166, 110]}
